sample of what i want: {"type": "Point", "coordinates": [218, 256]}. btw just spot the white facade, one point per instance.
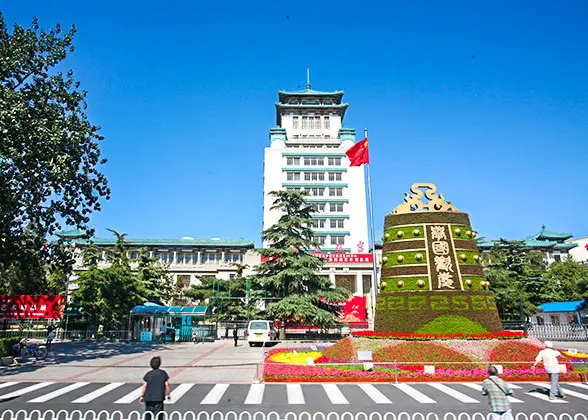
{"type": "Point", "coordinates": [307, 152]}
{"type": "Point", "coordinates": [580, 253]}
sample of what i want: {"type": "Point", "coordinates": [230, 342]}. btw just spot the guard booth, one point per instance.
{"type": "Point", "coordinates": [156, 323]}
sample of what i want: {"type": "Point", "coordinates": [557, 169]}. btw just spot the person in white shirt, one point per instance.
{"type": "Point", "coordinates": [551, 365]}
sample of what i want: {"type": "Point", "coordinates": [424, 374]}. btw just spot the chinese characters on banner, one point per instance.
{"type": "Point", "coordinates": [345, 258]}
{"type": "Point", "coordinates": [442, 262]}
{"type": "Point", "coordinates": [31, 307]}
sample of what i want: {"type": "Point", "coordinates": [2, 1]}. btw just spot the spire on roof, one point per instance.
{"type": "Point", "coordinates": [308, 78]}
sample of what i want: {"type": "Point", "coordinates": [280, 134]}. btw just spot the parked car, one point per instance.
{"type": "Point", "coordinates": [260, 332]}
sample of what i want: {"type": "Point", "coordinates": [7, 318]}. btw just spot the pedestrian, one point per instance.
{"type": "Point", "coordinates": [162, 332]}
{"type": "Point", "coordinates": [498, 391]}
{"type": "Point", "coordinates": [154, 389]}
{"type": "Point", "coordinates": [551, 365]}
{"type": "Point", "coordinates": [235, 334]}
{"type": "Point", "coordinates": [50, 337]}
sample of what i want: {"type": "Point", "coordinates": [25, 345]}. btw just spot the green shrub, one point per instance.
{"type": "Point", "coordinates": [451, 324]}
{"type": "Point", "coordinates": [6, 346]}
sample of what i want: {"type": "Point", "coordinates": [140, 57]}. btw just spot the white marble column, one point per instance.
{"type": "Point", "coordinates": [358, 284]}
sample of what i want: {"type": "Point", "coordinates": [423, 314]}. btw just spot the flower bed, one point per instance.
{"type": "Point", "coordinates": [506, 335]}
{"type": "Point", "coordinates": [454, 360]}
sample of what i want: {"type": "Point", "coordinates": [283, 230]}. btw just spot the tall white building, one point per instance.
{"type": "Point", "coordinates": [307, 152]}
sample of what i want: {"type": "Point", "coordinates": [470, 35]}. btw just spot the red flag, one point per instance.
{"type": "Point", "coordinates": [358, 154]}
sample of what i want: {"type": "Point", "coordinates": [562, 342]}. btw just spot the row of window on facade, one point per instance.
{"type": "Point", "coordinates": [192, 258]}
{"type": "Point", "coordinates": [311, 123]}
{"type": "Point", "coordinates": [313, 146]}
{"type": "Point", "coordinates": [319, 192]}
{"type": "Point", "coordinates": [314, 176]}
{"type": "Point", "coordinates": [310, 101]}
{"type": "Point", "coordinates": [333, 239]}
{"type": "Point", "coordinates": [322, 207]}
{"type": "Point", "coordinates": [571, 319]}
{"type": "Point", "coordinates": [333, 223]}
{"type": "Point", "coordinates": [313, 161]}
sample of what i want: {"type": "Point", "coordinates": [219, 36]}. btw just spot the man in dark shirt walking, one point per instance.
{"type": "Point", "coordinates": [235, 334]}
{"type": "Point", "coordinates": [155, 387]}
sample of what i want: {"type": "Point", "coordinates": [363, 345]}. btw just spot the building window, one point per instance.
{"type": "Point", "coordinates": [314, 176]}
{"type": "Point", "coordinates": [318, 207]}
{"type": "Point", "coordinates": [540, 320]}
{"type": "Point", "coordinates": [327, 123]}
{"type": "Point", "coordinates": [293, 188]}
{"type": "Point", "coordinates": [165, 257]}
{"type": "Point", "coordinates": [295, 122]}
{"type": "Point", "coordinates": [233, 257]}
{"type": "Point", "coordinates": [184, 258]}
{"type": "Point", "coordinates": [211, 258]}
{"type": "Point", "coordinates": [557, 257]}
{"type": "Point", "coordinates": [293, 176]}
{"type": "Point", "coordinates": [321, 240]}
{"type": "Point", "coordinates": [337, 223]}
{"type": "Point", "coordinates": [337, 240]}
{"type": "Point", "coordinates": [336, 207]}
{"type": "Point", "coordinates": [318, 223]}
{"type": "Point", "coordinates": [555, 319]}
{"type": "Point", "coordinates": [335, 176]}
{"type": "Point", "coordinates": [335, 192]}
{"type": "Point", "coordinates": [314, 161]}
{"type": "Point", "coordinates": [305, 123]}
{"type": "Point", "coordinates": [184, 279]}
{"type": "Point", "coordinates": [293, 161]}
{"type": "Point", "coordinates": [134, 255]}
{"type": "Point", "coordinates": [316, 192]}
{"type": "Point", "coordinates": [334, 161]}
{"type": "Point", "coordinates": [317, 123]}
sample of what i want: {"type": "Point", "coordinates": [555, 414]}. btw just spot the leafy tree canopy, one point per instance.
{"type": "Point", "coordinates": [49, 154]}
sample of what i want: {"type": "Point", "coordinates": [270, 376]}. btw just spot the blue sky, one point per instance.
{"type": "Point", "coordinates": [487, 99]}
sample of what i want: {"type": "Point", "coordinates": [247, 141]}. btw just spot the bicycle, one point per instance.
{"type": "Point", "coordinates": [24, 350]}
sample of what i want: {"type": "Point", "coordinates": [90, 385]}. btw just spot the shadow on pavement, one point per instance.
{"type": "Point", "coordinates": [70, 353]}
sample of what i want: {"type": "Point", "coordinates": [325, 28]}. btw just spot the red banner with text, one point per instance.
{"type": "Point", "coordinates": [354, 310]}
{"type": "Point", "coordinates": [31, 307]}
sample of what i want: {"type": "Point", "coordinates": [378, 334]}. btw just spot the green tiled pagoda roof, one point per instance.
{"type": "Point", "coordinates": [549, 234]}
{"type": "Point", "coordinates": [310, 92]}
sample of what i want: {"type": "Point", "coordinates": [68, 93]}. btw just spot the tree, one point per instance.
{"type": "Point", "coordinates": [49, 153]}
{"type": "Point", "coordinates": [571, 278]}
{"type": "Point", "coordinates": [516, 277]}
{"type": "Point", "coordinates": [290, 273]}
{"type": "Point", "coordinates": [155, 282]}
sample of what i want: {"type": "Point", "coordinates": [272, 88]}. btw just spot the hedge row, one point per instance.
{"type": "Point", "coordinates": [6, 346]}
{"type": "Point", "coordinates": [454, 218]}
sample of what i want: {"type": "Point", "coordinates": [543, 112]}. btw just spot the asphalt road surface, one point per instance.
{"type": "Point", "coordinates": [421, 397]}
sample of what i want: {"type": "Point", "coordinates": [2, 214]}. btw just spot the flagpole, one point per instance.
{"type": "Point", "coordinates": [373, 232]}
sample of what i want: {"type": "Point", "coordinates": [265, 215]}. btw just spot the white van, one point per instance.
{"type": "Point", "coordinates": [261, 331]}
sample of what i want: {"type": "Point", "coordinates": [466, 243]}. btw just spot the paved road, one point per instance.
{"type": "Point", "coordinates": [433, 397]}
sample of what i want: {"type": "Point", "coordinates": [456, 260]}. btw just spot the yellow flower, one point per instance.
{"type": "Point", "coordinates": [576, 355]}
{"type": "Point", "coordinates": [290, 358]}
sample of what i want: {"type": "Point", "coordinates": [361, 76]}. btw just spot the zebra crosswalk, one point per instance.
{"type": "Point", "coordinates": [193, 394]}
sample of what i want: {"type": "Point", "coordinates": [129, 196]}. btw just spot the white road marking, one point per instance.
{"type": "Point", "coordinates": [335, 394]}
{"type": "Point", "coordinates": [544, 397]}
{"type": "Point", "coordinates": [453, 393]}
{"type": "Point", "coordinates": [578, 385]}
{"type": "Point", "coordinates": [7, 384]}
{"type": "Point", "coordinates": [478, 387]}
{"type": "Point", "coordinates": [59, 392]}
{"type": "Point", "coordinates": [374, 393]}
{"type": "Point", "coordinates": [97, 393]}
{"type": "Point", "coordinates": [215, 394]}
{"type": "Point", "coordinates": [130, 397]}
{"type": "Point", "coordinates": [178, 393]}
{"type": "Point", "coordinates": [417, 395]}
{"type": "Point", "coordinates": [295, 395]}
{"type": "Point", "coordinates": [26, 390]}
{"type": "Point", "coordinates": [255, 394]}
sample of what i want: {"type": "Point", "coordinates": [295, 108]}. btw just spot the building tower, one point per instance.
{"type": "Point", "coordinates": [307, 152]}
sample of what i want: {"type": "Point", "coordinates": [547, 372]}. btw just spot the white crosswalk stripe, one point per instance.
{"type": "Point", "coordinates": [130, 397]}
{"type": "Point", "coordinates": [565, 390]}
{"type": "Point", "coordinates": [334, 394]}
{"type": "Point", "coordinates": [25, 390]}
{"type": "Point", "coordinates": [578, 385]}
{"type": "Point", "coordinates": [545, 397]}
{"type": "Point", "coordinates": [255, 395]}
{"type": "Point", "coordinates": [375, 394]}
{"type": "Point", "coordinates": [178, 392]}
{"type": "Point", "coordinates": [460, 396]}
{"type": "Point", "coordinates": [295, 395]}
{"type": "Point", "coordinates": [98, 393]}
{"type": "Point", "coordinates": [415, 394]}
{"type": "Point", "coordinates": [478, 387]}
{"type": "Point", "coordinates": [60, 391]}
{"type": "Point", "coordinates": [215, 394]}
{"type": "Point", "coordinates": [7, 384]}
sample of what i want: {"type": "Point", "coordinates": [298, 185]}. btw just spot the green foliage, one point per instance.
{"type": "Point", "coordinates": [451, 324]}
{"type": "Point", "coordinates": [290, 272]}
{"type": "Point", "coordinates": [408, 232]}
{"type": "Point", "coordinates": [570, 279]}
{"type": "Point", "coordinates": [154, 281]}
{"type": "Point", "coordinates": [410, 283]}
{"type": "Point", "coordinates": [409, 257]}
{"type": "Point", "coordinates": [49, 154]}
{"type": "Point", "coordinates": [6, 346]}
{"type": "Point", "coordinates": [516, 276]}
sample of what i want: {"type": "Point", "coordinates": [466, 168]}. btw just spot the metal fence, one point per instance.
{"type": "Point", "coordinates": [273, 415]}
{"type": "Point", "coordinates": [559, 332]}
